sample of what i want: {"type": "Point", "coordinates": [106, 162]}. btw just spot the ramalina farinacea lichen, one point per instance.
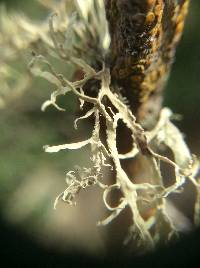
{"type": "Point", "coordinates": [82, 38]}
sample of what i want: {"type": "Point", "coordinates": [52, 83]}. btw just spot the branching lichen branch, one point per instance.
{"type": "Point", "coordinates": [83, 40]}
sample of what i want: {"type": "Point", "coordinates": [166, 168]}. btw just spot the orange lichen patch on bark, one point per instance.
{"type": "Point", "coordinates": [150, 18]}
{"type": "Point", "coordinates": [151, 2]}
{"type": "Point", "coordinates": [159, 9]}
{"type": "Point", "coordinates": [144, 36]}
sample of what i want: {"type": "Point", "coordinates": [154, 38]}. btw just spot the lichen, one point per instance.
{"type": "Point", "coordinates": [88, 26]}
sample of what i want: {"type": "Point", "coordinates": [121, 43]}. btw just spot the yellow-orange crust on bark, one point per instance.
{"type": "Point", "coordinates": [144, 36]}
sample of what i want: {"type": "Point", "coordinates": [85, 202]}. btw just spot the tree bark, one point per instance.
{"type": "Point", "coordinates": [144, 37]}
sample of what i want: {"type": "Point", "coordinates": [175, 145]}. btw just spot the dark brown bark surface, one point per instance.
{"type": "Point", "coordinates": [144, 37]}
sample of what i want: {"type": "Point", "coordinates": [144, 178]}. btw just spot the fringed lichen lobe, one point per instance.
{"type": "Point", "coordinates": [144, 36]}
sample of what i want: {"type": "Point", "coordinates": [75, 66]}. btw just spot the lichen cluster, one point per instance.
{"type": "Point", "coordinates": [69, 40]}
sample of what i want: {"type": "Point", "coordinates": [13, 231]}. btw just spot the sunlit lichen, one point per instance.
{"type": "Point", "coordinates": [70, 41]}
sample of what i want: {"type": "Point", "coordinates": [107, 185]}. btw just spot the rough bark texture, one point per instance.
{"type": "Point", "coordinates": [144, 37]}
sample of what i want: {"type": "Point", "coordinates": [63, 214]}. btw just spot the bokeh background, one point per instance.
{"type": "Point", "coordinates": [31, 179]}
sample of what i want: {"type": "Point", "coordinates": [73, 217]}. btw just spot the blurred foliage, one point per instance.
{"type": "Point", "coordinates": [30, 179]}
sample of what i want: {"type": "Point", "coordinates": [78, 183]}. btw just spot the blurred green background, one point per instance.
{"type": "Point", "coordinates": [30, 179]}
